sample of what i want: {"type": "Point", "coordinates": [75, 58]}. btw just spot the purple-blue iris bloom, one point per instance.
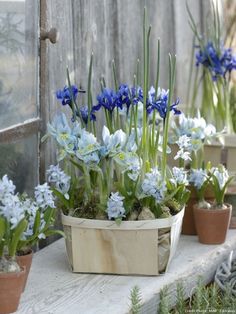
{"type": "Point", "coordinates": [84, 114]}
{"type": "Point", "coordinates": [161, 103]}
{"type": "Point", "coordinates": [123, 96]}
{"type": "Point", "coordinates": [218, 63]}
{"type": "Point", "coordinates": [64, 95]}
{"type": "Point", "coordinates": [127, 96]}
{"type": "Point", "coordinates": [136, 94]}
{"type": "Point", "coordinates": [107, 99]}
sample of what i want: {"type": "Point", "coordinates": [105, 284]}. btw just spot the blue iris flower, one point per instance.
{"type": "Point", "coordinates": [137, 94]}
{"type": "Point", "coordinates": [160, 103]}
{"type": "Point", "coordinates": [123, 96]}
{"type": "Point", "coordinates": [64, 95]}
{"type": "Point", "coordinates": [218, 62]}
{"type": "Point", "coordinates": [107, 99]}
{"type": "Point", "coordinates": [84, 114]}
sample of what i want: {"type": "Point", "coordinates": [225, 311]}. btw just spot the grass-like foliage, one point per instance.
{"type": "Point", "coordinates": [136, 300]}
{"type": "Point", "coordinates": [205, 298]}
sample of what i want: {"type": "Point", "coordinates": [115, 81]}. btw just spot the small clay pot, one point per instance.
{"type": "Point", "coordinates": [212, 224]}
{"type": "Point", "coordinates": [188, 227]}
{"type": "Point", "coordinates": [11, 285]}
{"type": "Point", "coordinates": [25, 261]}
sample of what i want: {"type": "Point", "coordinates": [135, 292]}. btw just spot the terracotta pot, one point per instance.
{"type": "Point", "coordinates": [25, 261]}
{"type": "Point", "coordinates": [212, 224]}
{"type": "Point", "coordinates": [11, 285]}
{"type": "Point", "coordinates": [189, 227]}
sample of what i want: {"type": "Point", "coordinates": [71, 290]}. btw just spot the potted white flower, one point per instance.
{"type": "Point", "coordinates": [120, 201]}
{"type": "Point", "coordinates": [212, 219]}
{"type": "Point", "coordinates": [190, 136]}
{"type": "Point", "coordinates": [12, 226]}
{"type": "Point", "coordinates": [38, 212]}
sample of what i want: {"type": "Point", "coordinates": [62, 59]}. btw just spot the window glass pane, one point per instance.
{"type": "Point", "coordinates": [20, 162]}
{"type": "Point", "coordinates": [19, 61]}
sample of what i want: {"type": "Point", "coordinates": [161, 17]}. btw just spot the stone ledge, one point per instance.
{"type": "Point", "coordinates": [53, 289]}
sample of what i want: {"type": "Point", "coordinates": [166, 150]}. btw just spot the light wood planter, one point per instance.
{"type": "Point", "coordinates": [143, 247]}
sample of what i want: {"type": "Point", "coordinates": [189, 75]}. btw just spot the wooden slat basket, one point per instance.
{"type": "Point", "coordinates": [143, 247]}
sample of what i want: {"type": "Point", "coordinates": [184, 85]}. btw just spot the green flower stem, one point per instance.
{"type": "Point", "coordinates": [109, 175]}
{"type": "Point", "coordinates": [229, 122]}
{"type": "Point", "coordinates": [153, 128]}
{"type": "Point", "coordinates": [114, 75]}
{"type": "Point", "coordinates": [87, 182]}
{"type": "Point", "coordinates": [136, 123]}
{"type": "Point", "coordinates": [172, 63]}
{"type": "Point", "coordinates": [132, 118]}
{"type": "Point", "coordinates": [144, 85]}
{"type": "Point", "coordinates": [158, 68]}
{"type": "Point", "coordinates": [89, 99]}
{"type": "Point", "coordinates": [102, 188]}
{"type": "Point", "coordinates": [156, 148]}
{"type": "Point", "coordinates": [194, 160]}
{"type": "Point", "coordinates": [221, 109]}
{"type": "Point", "coordinates": [73, 102]}
{"type": "Point", "coordinates": [116, 88]}
{"type": "Point", "coordinates": [138, 72]}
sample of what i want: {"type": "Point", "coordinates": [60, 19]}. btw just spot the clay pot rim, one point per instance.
{"type": "Point", "coordinates": [30, 252]}
{"type": "Point", "coordinates": [213, 210]}
{"type": "Point", "coordinates": [13, 274]}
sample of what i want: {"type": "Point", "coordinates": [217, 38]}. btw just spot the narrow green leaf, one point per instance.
{"type": "Point", "coordinates": [17, 233]}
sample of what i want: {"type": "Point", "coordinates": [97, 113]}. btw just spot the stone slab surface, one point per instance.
{"type": "Point", "coordinates": [53, 289]}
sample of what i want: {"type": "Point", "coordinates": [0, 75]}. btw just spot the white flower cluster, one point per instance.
{"type": "Point", "coordinates": [43, 196]}
{"type": "Point", "coordinates": [14, 208]}
{"type": "Point", "coordinates": [87, 148]}
{"type": "Point", "coordinates": [113, 142]}
{"type": "Point", "coordinates": [221, 175]}
{"type": "Point", "coordinates": [196, 128]}
{"type": "Point", "coordinates": [180, 176]}
{"type": "Point", "coordinates": [59, 179]}
{"type": "Point", "coordinates": [6, 187]}
{"type": "Point", "coordinates": [153, 185]}
{"type": "Point", "coordinates": [115, 206]}
{"type": "Point", "coordinates": [192, 133]}
{"type": "Point", "coordinates": [198, 177]}
{"type": "Point", "coordinates": [10, 205]}
{"type": "Point", "coordinates": [184, 147]}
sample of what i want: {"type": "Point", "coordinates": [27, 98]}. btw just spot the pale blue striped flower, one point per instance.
{"type": "Point", "coordinates": [115, 206]}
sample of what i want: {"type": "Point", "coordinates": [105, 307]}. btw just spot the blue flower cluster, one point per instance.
{"type": "Point", "coordinates": [123, 98]}
{"type": "Point", "coordinates": [160, 102]}
{"type": "Point", "coordinates": [218, 62]}
{"type": "Point", "coordinates": [65, 96]}
{"type": "Point", "coordinates": [126, 96]}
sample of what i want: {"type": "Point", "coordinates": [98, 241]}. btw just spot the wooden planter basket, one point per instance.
{"type": "Point", "coordinates": [143, 247]}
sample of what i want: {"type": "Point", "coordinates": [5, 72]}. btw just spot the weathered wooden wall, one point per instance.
{"type": "Point", "coordinates": [112, 29]}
